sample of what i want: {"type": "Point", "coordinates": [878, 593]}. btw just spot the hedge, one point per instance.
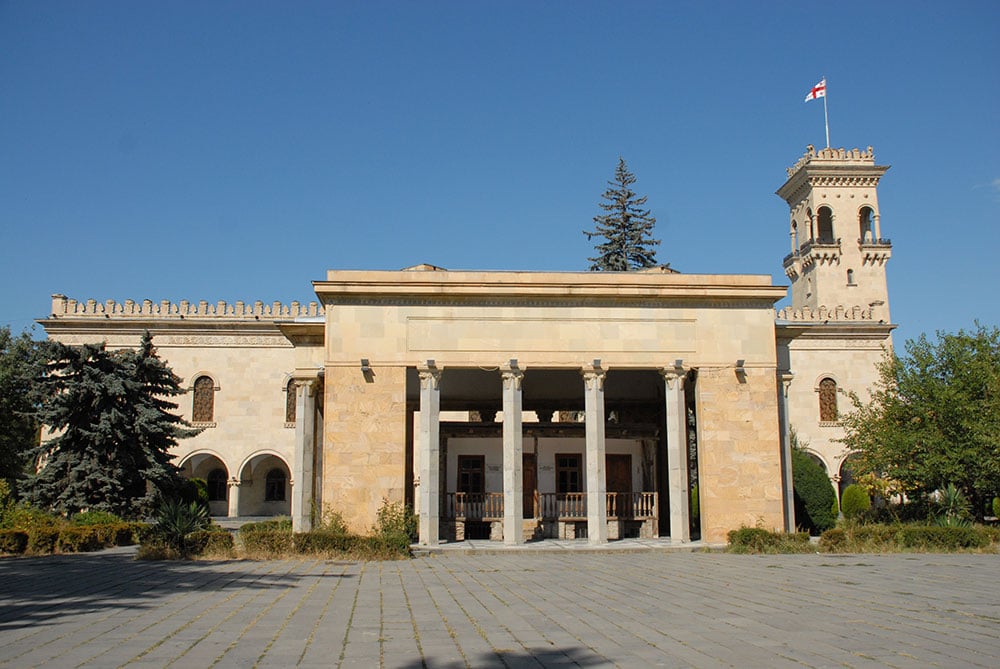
{"type": "Point", "coordinates": [13, 541]}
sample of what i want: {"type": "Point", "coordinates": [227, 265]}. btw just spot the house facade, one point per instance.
{"type": "Point", "coordinates": [524, 405]}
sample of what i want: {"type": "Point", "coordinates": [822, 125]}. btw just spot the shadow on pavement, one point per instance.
{"type": "Point", "coordinates": [35, 590]}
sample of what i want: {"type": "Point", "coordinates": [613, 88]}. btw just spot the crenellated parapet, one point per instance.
{"type": "Point", "coordinates": [823, 314]}
{"type": "Point", "coordinates": [63, 307]}
{"type": "Point", "coordinates": [841, 156]}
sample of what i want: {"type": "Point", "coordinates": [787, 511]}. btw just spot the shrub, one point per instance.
{"type": "Point", "coordinates": [996, 507]}
{"type": "Point", "coordinates": [95, 518]}
{"type": "Point", "coordinates": [24, 517]}
{"type": "Point", "coordinates": [759, 540]}
{"type": "Point", "coordinates": [953, 506]}
{"type": "Point", "coordinates": [930, 537]}
{"type": "Point", "coordinates": [277, 525]}
{"type": "Point", "coordinates": [854, 501]}
{"type": "Point", "coordinates": [176, 519]}
{"type": "Point", "coordinates": [214, 542]}
{"type": "Point", "coordinates": [267, 543]}
{"type": "Point", "coordinates": [814, 495]}
{"type": "Point", "coordinates": [396, 522]}
{"type": "Point", "coordinates": [323, 542]}
{"type": "Point", "coordinates": [13, 541]}
{"type": "Point", "coordinates": [42, 540]}
{"type": "Point", "coordinates": [833, 540]}
{"type": "Point", "coordinates": [79, 539]}
{"type": "Point", "coordinates": [332, 521]}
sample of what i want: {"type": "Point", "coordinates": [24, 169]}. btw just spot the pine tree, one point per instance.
{"type": "Point", "coordinates": [20, 358]}
{"type": "Point", "coordinates": [626, 227]}
{"type": "Point", "coordinates": [115, 429]}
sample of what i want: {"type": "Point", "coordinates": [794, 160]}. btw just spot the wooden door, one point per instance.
{"type": "Point", "coordinates": [530, 484]}
{"type": "Point", "coordinates": [618, 474]}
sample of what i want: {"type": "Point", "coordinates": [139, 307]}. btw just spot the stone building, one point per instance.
{"type": "Point", "coordinates": [521, 405]}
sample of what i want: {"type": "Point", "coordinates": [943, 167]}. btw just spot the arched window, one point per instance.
{"type": "Point", "coordinates": [865, 224]}
{"type": "Point", "coordinates": [810, 220]}
{"type": "Point", "coordinates": [827, 400]}
{"type": "Point", "coordinates": [290, 401]}
{"type": "Point", "coordinates": [850, 278]}
{"type": "Point", "coordinates": [274, 486]}
{"type": "Point", "coordinates": [825, 226]}
{"type": "Point", "coordinates": [204, 400]}
{"type": "Point", "coordinates": [217, 485]}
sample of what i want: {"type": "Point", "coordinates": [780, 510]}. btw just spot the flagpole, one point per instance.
{"type": "Point", "coordinates": [826, 116]}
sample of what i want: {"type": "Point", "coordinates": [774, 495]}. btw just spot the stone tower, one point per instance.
{"type": "Point", "coordinates": [838, 255]}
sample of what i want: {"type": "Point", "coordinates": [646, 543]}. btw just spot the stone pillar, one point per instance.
{"type": "Point", "coordinates": [513, 447]}
{"type": "Point", "coordinates": [784, 381]}
{"type": "Point", "coordinates": [677, 476]}
{"type": "Point", "coordinates": [878, 227]}
{"type": "Point", "coordinates": [597, 498]}
{"type": "Point", "coordinates": [430, 455]}
{"type": "Point", "coordinates": [305, 444]}
{"type": "Point", "coordinates": [234, 497]}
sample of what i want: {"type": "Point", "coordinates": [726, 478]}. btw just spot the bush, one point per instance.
{"type": "Point", "coordinates": [95, 518]}
{"type": "Point", "coordinates": [13, 541]}
{"type": "Point", "coordinates": [854, 501]}
{"type": "Point", "coordinates": [395, 522]}
{"type": "Point", "coordinates": [929, 537]}
{"type": "Point", "coordinates": [79, 539]}
{"type": "Point", "coordinates": [276, 525]}
{"type": "Point", "coordinates": [214, 542]}
{"type": "Point", "coordinates": [267, 543]}
{"type": "Point", "coordinates": [814, 495]}
{"type": "Point", "coordinates": [833, 540]}
{"type": "Point", "coordinates": [42, 540]}
{"type": "Point", "coordinates": [176, 520]}
{"type": "Point", "coordinates": [759, 540]}
{"type": "Point", "coordinates": [28, 518]}
{"type": "Point", "coordinates": [323, 542]}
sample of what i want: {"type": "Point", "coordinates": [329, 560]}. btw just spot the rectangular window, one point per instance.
{"type": "Point", "coordinates": [472, 473]}
{"type": "Point", "coordinates": [568, 473]}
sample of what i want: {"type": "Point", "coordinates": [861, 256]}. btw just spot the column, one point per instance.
{"type": "Point", "coordinates": [878, 227]}
{"type": "Point", "coordinates": [513, 476]}
{"type": "Point", "coordinates": [597, 498]}
{"type": "Point", "coordinates": [784, 381]}
{"type": "Point", "coordinates": [430, 454]}
{"type": "Point", "coordinates": [234, 497]}
{"type": "Point", "coordinates": [677, 478]}
{"type": "Point", "coordinates": [302, 466]}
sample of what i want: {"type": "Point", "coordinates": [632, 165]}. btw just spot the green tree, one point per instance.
{"type": "Point", "coordinates": [20, 361]}
{"type": "Point", "coordinates": [625, 226]}
{"type": "Point", "coordinates": [112, 414]}
{"type": "Point", "coordinates": [934, 417]}
{"type": "Point", "coordinates": [814, 495]}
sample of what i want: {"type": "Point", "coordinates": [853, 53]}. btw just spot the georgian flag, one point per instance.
{"type": "Point", "coordinates": [818, 91]}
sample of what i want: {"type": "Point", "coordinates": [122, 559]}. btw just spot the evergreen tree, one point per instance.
{"type": "Point", "coordinates": [115, 428]}
{"type": "Point", "coordinates": [625, 226]}
{"type": "Point", "coordinates": [20, 359]}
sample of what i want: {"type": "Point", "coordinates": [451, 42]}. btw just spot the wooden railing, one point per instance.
{"type": "Point", "coordinates": [475, 505]}
{"type": "Point", "coordinates": [563, 506]}
{"type": "Point", "coordinates": [631, 505]}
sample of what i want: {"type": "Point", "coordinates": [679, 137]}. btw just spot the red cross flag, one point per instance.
{"type": "Point", "coordinates": [818, 91]}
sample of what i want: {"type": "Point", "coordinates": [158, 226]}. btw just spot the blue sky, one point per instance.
{"type": "Point", "coordinates": [238, 150]}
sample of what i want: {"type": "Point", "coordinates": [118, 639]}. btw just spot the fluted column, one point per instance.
{"type": "Point", "coordinates": [677, 475]}
{"type": "Point", "coordinates": [513, 447]}
{"type": "Point", "coordinates": [305, 444]}
{"type": "Point", "coordinates": [597, 513]}
{"type": "Point", "coordinates": [429, 526]}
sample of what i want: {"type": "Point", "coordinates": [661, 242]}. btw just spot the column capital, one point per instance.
{"type": "Point", "coordinates": [511, 377]}
{"type": "Point", "coordinates": [430, 377]}
{"type": "Point", "coordinates": [593, 375]}
{"type": "Point", "coordinates": [233, 483]}
{"type": "Point", "coordinates": [673, 375]}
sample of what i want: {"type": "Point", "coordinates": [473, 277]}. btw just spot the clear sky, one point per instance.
{"type": "Point", "coordinates": [237, 150]}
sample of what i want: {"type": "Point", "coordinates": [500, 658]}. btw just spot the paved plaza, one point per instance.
{"type": "Point", "coordinates": [460, 609]}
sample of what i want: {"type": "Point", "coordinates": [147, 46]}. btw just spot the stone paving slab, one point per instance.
{"type": "Point", "coordinates": [557, 608]}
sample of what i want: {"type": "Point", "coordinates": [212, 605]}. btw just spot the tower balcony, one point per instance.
{"type": "Point", "coordinates": [875, 251]}
{"type": "Point", "coordinates": [813, 252]}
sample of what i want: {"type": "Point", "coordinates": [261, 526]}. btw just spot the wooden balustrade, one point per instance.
{"type": "Point", "coordinates": [563, 506]}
